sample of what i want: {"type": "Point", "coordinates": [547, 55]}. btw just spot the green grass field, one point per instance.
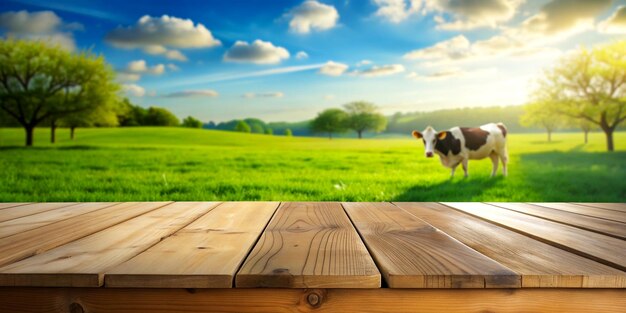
{"type": "Point", "coordinates": [123, 164]}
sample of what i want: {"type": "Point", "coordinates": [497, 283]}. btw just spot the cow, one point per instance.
{"type": "Point", "coordinates": [458, 145]}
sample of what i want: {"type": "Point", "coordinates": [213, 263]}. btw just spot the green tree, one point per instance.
{"type": "Point", "coordinates": [41, 83]}
{"type": "Point", "coordinates": [330, 121]}
{"type": "Point", "coordinates": [269, 131]}
{"type": "Point", "coordinates": [131, 115]}
{"type": "Point", "coordinates": [191, 122]}
{"type": "Point", "coordinates": [160, 117]}
{"type": "Point", "coordinates": [542, 114]}
{"type": "Point", "coordinates": [288, 132]}
{"type": "Point", "coordinates": [105, 115]}
{"type": "Point", "coordinates": [590, 85]}
{"type": "Point", "coordinates": [363, 116]}
{"type": "Point", "coordinates": [242, 127]}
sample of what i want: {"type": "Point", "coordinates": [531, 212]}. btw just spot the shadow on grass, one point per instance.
{"type": "Point", "coordinates": [74, 148]}
{"type": "Point", "coordinates": [450, 190]}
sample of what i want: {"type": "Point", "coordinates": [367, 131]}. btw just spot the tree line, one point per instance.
{"type": "Point", "coordinates": [359, 116]}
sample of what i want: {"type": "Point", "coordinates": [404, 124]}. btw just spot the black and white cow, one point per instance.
{"type": "Point", "coordinates": [458, 145]}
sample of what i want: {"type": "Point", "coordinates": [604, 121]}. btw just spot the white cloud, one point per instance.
{"type": "Point", "coordinates": [161, 35]}
{"type": "Point", "coordinates": [383, 70]}
{"type": "Point", "coordinates": [312, 15]}
{"type": "Point", "coordinates": [452, 49]}
{"type": "Point", "coordinates": [141, 67]}
{"type": "Point", "coordinates": [616, 23]}
{"type": "Point", "coordinates": [363, 62]}
{"type": "Point", "coordinates": [252, 95]}
{"type": "Point", "coordinates": [41, 25]}
{"type": "Point", "coordinates": [302, 55]}
{"type": "Point", "coordinates": [333, 68]}
{"type": "Point", "coordinates": [173, 67]}
{"type": "Point", "coordinates": [208, 93]}
{"type": "Point", "coordinates": [438, 75]}
{"type": "Point", "coordinates": [396, 11]}
{"type": "Point", "coordinates": [127, 77]}
{"type": "Point", "coordinates": [134, 90]}
{"type": "Point", "coordinates": [472, 14]}
{"type": "Point", "coordinates": [259, 52]}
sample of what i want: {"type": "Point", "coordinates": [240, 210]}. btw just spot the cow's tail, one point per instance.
{"type": "Point", "coordinates": [502, 129]}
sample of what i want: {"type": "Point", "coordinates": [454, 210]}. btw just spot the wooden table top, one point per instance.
{"type": "Point", "coordinates": [313, 245]}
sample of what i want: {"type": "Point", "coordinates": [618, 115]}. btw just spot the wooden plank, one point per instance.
{"type": "Point", "coordinates": [605, 205]}
{"type": "Point", "coordinates": [14, 226]}
{"type": "Point", "coordinates": [30, 209]}
{"type": "Point", "coordinates": [598, 225]}
{"type": "Point", "coordinates": [585, 210]}
{"type": "Point", "coordinates": [309, 245]}
{"type": "Point", "coordinates": [82, 263]}
{"type": "Point", "coordinates": [38, 240]}
{"type": "Point", "coordinates": [540, 264]}
{"type": "Point", "coordinates": [604, 249]}
{"type": "Point", "coordinates": [12, 204]}
{"type": "Point", "coordinates": [412, 254]}
{"type": "Point", "coordinates": [127, 300]}
{"type": "Point", "coordinates": [204, 254]}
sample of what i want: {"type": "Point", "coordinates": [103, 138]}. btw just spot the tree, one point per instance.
{"type": "Point", "coordinates": [191, 122]}
{"type": "Point", "coordinates": [269, 131]}
{"type": "Point", "coordinates": [288, 132]}
{"type": "Point", "coordinates": [590, 85]}
{"type": "Point", "coordinates": [242, 127]}
{"type": "Point", "coordinates": [131, 115]}
{"type": "Point", "coordinates": [364, 116]}
{"type": "Point", "coordinates": [104, 115]}
{"type": "Point", "coordinates": [583, 124]}
{"type": "Point", "coordinates": [160, 117]}
{"type": "Point", "coordinates": [330, 121]}
{"type": "Point", "coordinates": [542, 114]}
{"type": "Point", "coordinates": [41, 83]}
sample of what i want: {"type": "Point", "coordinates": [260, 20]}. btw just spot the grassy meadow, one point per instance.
{"type": "Point", "coordinates": [144, 164]}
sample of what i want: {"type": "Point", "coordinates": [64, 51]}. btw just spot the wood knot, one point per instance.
{"type": "Point", "coordinates": [314, 299]}
{"type": "Point", "coordinates": [76, 308]}
{"type": "Point", "coordinates": [280, 271]}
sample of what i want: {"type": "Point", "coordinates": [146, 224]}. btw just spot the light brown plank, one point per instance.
{"type": "Point", "coordinates": [38, 240]}
{"type": "Point", "coordinates": [598, 225]}
{"type": "Point", "coordinates": [309, 245]}
{"type": "Point", "coordinates": [540, 264]}
{"type": "Point", "coordinates": [384, 300]}
{"type": "Point", "coordinates": [412, 254]}
{"type": "Point", "coordinates": [204, 254]}
{"type": "Point", "coordinates": [5, 205]}
{"type": "Point", "coordinates": [82, 263]}
{"type": "Point", "coordinates": [30, 209]}
{"type": "Point", "coordinates": [585, 210]}
{"type": "Point", "coordinates": [605, 205]}
{"type": "Point", "coordinates": [14, 226]}
{"type": "Point", "coordinates": [604, 249]}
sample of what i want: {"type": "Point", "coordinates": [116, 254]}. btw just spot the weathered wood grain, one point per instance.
{"type": "Point", "coordinates": [35, 241]}
{"type": "Point", "coordinates": [205, 254]}
{"type": "Point", "coordinates": [585, 210]}
{"type": "Point", "coordinates": [540, 264]}
{"type": "Point", "coordinates": [605, 205]}
{"type": "Point", "coordinates": [5, 205]}
{"type": "Point", "coordinates": [30, 209]}
{"type": "Point", "coordinates": [412, 254]}
{"type": "Point", "coordinates": [604, 249]}
{"type": "Point", "coordinates": [309, 245]}
{"type": "Point", "coordinates": [598, 225]}
{"type": "Point", "coordinates": [82, 263]}
{"type": "Point", "coordinates": [383, 300]}
{"type": "Point", "coordinates": [18, 225]}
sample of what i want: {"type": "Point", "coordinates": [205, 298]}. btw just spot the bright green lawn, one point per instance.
{"type": "Point", "coordinates": [125, 164]}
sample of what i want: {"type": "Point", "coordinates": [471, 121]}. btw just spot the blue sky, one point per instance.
{"type": "Point", "coordinates": [202, 58]}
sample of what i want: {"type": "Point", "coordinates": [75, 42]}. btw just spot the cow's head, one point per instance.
{"type": "Point", "coordinates": [429, 136]}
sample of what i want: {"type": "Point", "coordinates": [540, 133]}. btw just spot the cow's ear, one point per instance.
{"type": "Point", "coordinates": [442, 135]}
{"type": "Point", "coordinates": [417, 134]}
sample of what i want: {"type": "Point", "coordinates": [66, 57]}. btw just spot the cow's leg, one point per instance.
{"type": "Point", "coordinates": [504, 158]}
{"type": "Point", "coordinates": [494, 162]}
{"type": "Point", "coordinates": [464, 163]}
{"type": "Point", "coordinates": [453, 168]}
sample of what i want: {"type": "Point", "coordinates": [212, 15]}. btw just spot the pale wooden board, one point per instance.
{"type": "Point", "coordinates": [30, 209]}
{"type": "Point", "coordinates": [412, 254]}
{"type": "Point", "coordinates": [82, 263]}
{"type": "Point", "coordinates": [604, 249]}
{"type": "Point", "coordinates": [11, 204]}
{"type": "Point", "coordinates": [18, 225]}
{"type": "Point", "coordinates": [585, 210]}
{"type": "Point", "coordinates": [605, 205]}
{"type": "Point", "coordinates": [540, 264]}
{"type": "Point", "coordinates": [598, 225]}
{"type": "Point", "coordinates": [38, 240]}
{"type": "Point", "coordinates": [309, 245]}
{"type": "Point", "coordinates": [204, 254]}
